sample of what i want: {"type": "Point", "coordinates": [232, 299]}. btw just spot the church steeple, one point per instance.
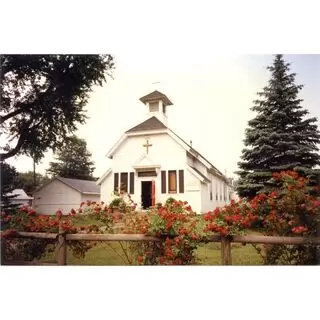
{"type": "Point", "coordinates": [157, 103]}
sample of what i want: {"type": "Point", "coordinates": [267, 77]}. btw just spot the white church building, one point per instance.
{"type": "Point", "coordinates": [152, 163]}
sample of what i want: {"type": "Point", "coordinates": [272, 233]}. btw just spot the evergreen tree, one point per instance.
{"type": "Point", "coordinates": [74, 161]}
{"type": "Point", "coordinates": [7, 178]}
{"type": "Point", "coordinates": [280, 137]}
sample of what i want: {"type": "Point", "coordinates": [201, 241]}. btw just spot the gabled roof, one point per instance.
{"type": "Point", "coordinates": [196, 152]}
{"type": "Point", "coordinates": [154, 124]}
{"type": "Point", "coordinates": [83, 186]}
{"type": "Point", "coordinates": [154, 96]}
{"type": "Point", "coordinates": [99, 181]}
{"type": "Point", "coordinates": [150, 124]}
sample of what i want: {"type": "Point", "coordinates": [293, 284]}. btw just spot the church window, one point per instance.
{"type": "Point", "coordinates": [210, 191]}
{"type": "Point", "coordinates": [154, 106]}
{"type": "Point", "coordinates": [124, 181]}
{"type": "Point", "coordinates": [116, 182]}
{"type": "Point", "coordinates": [172, 177]}
{"type": "Point", "coordinates": [181, 181]}
{"type": "Point", "coordinates": [131, 183]}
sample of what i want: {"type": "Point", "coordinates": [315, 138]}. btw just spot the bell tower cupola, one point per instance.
{"type": "Point", "coordinates": [157, 103]}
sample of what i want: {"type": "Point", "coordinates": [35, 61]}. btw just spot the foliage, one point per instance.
{"type": "Point", "coordinates": [26, 219]}
{"type": "Point", "coordinates": [232, 219]}
{"type": "Point", "coordinates": [99, 212]}
{"type": "Point", "coordinates": [177, 206]}
{"type": "Point", "coordinates": [8, 176]}
{"type": "Point", "coordinates": [25, 181]}
{"type": "Point", "coordinates": [116, 202]}
{"type": "Point", "coordinates": [43, 98]}
{"type": "Point", "coordinates": [280, 137]}
{"type": "Point", "coordinates": [176, 224]}
{"type": "Point", "coordinates": [288, 210]}
{"type": "Point", "coordinates": [73, 160]}
{"type": "Point", "coordinates": [122, 201]}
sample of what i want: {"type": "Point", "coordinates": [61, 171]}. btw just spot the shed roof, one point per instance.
{"type": "Point", "coordinates": [83, 186]}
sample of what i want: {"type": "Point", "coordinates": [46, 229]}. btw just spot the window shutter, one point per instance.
{"type": "Point", "coordinates": [131, 182]}
{"type": "Point", "coordinates": [124, 181]}
{"type": "Point", "coordinates": [116, 182]}
{"type": "Point", "coordinates": [163, 182]}
{"type": "Point", "coordinates": [181, 181]}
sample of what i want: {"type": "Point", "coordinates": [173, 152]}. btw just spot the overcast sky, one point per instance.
{"type": "Point", "coordinates": [211, 94]}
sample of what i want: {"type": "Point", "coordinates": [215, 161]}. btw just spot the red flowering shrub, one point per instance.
{"type": "Point", "coordinates": [177, 206]}
{"type": "Point", "coordinates": [289, 210]}
{"type": "Point", "coordinates": [176, 224]}
{"type": "Point", "coordinates": [232, 219]}
{"type": "Point", "coordinates": [27, 220]}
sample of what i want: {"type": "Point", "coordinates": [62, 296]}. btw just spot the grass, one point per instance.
{"type": "Point", "coordinates": [111, 254]}
{"type": "Point", "coordinates": [209, 254]}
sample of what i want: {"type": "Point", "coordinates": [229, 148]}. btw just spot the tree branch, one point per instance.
{"type": "Point", "coordinates": [21, 140]}
{"type": "Point", "coordinates": [14, 151]}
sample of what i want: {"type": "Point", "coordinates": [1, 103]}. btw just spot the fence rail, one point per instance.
{"type": "Point", "coordinates": [226, 242]}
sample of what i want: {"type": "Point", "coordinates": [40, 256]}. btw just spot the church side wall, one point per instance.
{"type": "Point", "coordinates": [192, 192]}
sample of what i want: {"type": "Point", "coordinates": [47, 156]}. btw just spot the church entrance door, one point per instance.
{"type": "Point", "coordinates": [146, 194]}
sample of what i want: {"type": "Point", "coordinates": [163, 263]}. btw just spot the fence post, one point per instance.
{"type": "Point", "coordinates": [226, 251]}
{"type": "Point", "coordinates": [3, 245]}
{"type": "Point", "coordinates": [61, 248]}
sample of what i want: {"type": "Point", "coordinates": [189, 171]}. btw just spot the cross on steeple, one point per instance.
{"type": "Point", "coordinates": [147, 145]}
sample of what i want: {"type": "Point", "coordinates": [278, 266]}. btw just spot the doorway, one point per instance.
{"type": "Point", "coordinates": [146, 194]}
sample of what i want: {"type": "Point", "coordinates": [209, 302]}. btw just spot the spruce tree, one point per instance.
{"type": "Point", "coordinates": [280, 137]}
{"type": "Point", "coordinates": [73, 161]}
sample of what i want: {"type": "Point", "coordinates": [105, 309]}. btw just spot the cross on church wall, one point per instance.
{"type": "Point", "coordinates": [147, 145]}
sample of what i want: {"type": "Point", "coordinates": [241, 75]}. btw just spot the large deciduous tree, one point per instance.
{"type": "Point", "coordinates": [43, 98]}
{"type": "Point", "coordinates": [280, 137]}
{"type": "Point", "coordinates": [73, 161]}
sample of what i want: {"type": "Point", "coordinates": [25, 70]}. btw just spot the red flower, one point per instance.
{"type": "Point", "coordinates": [273, 194]}
{"type": "Point", "coordinates": [162, 260]}
{"type": "Point", "coordinates": [31, 212]}
{"type": "Point", "coordinates": [59, 213]}
{"type": "Point", "coordinates": [299, 229]}
{"type": "Point", "coordinates": [140, 259]}
{"type": "Point", "coordinates": [24, 209]}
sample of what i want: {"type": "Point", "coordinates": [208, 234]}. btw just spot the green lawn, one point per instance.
{"type": "Point", "coordinates": [111, 254]}
{"type": "Point", "coordinates": [209, 254]}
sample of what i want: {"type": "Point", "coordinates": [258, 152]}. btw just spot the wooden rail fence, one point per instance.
{"type": "Point", "coordinates": [62, 238]}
